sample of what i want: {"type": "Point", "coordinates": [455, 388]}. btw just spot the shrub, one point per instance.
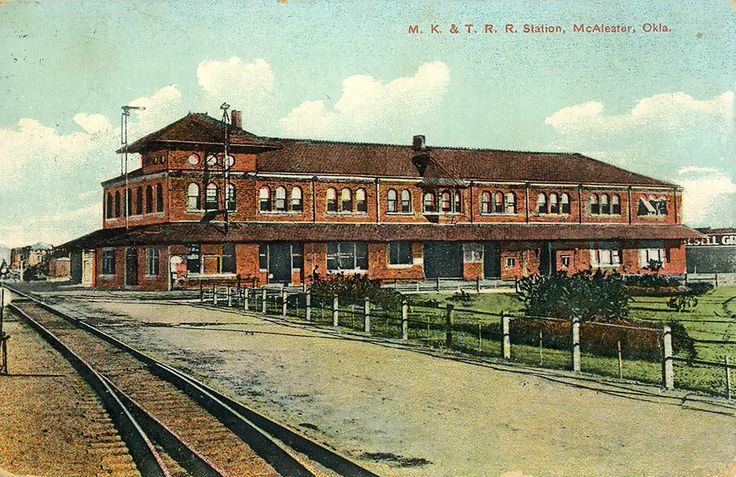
{"type": "Point", "coordinates": [652, 281]}
{"type": "Point", "coordinates": [699, 288]}
{"type": "Point", "coordinates": [351, 290]}
{"type": "Point", "coordinates": [585, 295]}
{"type": "Point", "coordinates": [683, 303]}
{"type": "Point", "coordinates": [462, 296]}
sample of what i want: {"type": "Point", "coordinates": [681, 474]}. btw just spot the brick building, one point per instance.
{"type": "Point", "coordinates": [278, 210]}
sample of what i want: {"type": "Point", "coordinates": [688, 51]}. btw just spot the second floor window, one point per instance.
{"type": "Point", "coordinates": [542, 203]}
{"type": "Point", "coordinates": [430, 202]}
{"type": "Point", "coordinates": [360, 201]}
{"type": "Point", "coordinates": [264, 199]}
{"type": "Point", "coordinates": [346, 200]}
{"type": "Point", "coordinates": [604, 204]}
{"type": "Point", "coordinates": [139, 200]}
{"type": "Point", "coordinates": [296, 200]}
{"type": "Point", "coordinates": [406, 201]}
{"type": "Point", "coordinates": [108, 206]}
{"type": "Point", "coordinates": [212, 197]}
{"type": "Point", "coordinates": [159, 198]}
{"type": "Point", "coordinates": [331, 200]}
{"type": "Point", "coordinates": [230, 202]}
{"type": "Point", "coordinates": [149, 199]}
{"type": "Point", "coordinates": [117, 203]}
{"type": "Point", "coordinates": [391, 201]}
{"type": "Point", "coordinates": [193, 197]}
{"type": "Point", "coordinates": [279, 204]}
{"type": "Point", "coordinates": [652, 205]}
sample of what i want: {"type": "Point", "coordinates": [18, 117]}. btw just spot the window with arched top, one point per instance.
{"type": "Point", "coordinates": [406, 201]}
{"type": "Point", "coordinates": [457, 202]}
{"type": "Point", "coordinates": [129, 202]}
{"type": "Point", "coordinates": [498, 203]}
{"type": "Point", "coordinates": [159, 198]}
{"type": "Point", "coordinates": [264, 199]}
{"type": "Point", "coordinates": [230, 197]}
{"type": "Point", "coordinates": [485, 202]}
{"type": "Point", "coordinates": [117, 204]}
{"type": "Point", "coordinates": [139, 200]}
{"type": "Point", "coordinates": [279, 202]}
{"type": "Point", "coordinates": [446, 201]}
{"type": "Point", "coordinates": [391, 201]}
{"type": "Point", "coordinates": [605, 206]}
{"type": "Point", "coordinates": [430, 202]}
{"type": "Point", "coordinates": [149, 199]}
{"type": "Point", "coordinates": [615, 204]}
{"type": "Point", "coordinates": [212, 197]}
{"type": "Point", "coordinates": [565, 203]}
{"type": "Point", "coordinates": [108, 206]}
{"type": "Point", "coordinates": [595, 208]}
{"type": "Point", "coordinates": [346, 200]}
{"type": "Point", "coordinates": [541, 203]}
{"type": "Point", "coordinates": [295, 200]}
{"type": "Point", "coordinates": [510, 204]}
{"type": "Point", "coordinates": [331, 200]}
{"type": "Point", "coordinates": [554, 205]}
{"type": "Point", "coordinates": [361, 204]}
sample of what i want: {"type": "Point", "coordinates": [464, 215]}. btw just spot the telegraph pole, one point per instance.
{"type": "Point", "coordinates": [124, 141]}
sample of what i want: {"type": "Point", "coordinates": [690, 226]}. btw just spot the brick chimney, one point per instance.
{"type": "Point", "coordinates": [236, 119]}
{"type": "Point", "coordinates": [419, 143]}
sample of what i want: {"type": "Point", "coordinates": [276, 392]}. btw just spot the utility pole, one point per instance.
{"type": "Point", "coordinates": [124, 141]}
{"type": "Point", "coordinates": [226, 161]}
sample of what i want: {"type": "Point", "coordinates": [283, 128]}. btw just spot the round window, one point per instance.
{"type": "Point", "coordinates": [193, 159]}
{"type": "Point", "coordinates": [229, 161]}
{"type": "Point", "coordinates": [211, 160]}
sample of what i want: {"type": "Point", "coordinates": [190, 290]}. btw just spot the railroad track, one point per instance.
{"type": "Point", "coordinates": [172, 424]}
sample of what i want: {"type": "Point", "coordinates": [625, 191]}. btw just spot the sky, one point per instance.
{"type": "Point", "coordinates": [658, 103]}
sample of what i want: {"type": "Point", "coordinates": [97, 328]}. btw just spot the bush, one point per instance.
{"type": "Point", "coordinates": [700, 288]}
{"type": "Point", "coordinates": [585, 295]}
{"type": "Point", "coordinates": [652, 281]}
{"type": "Point", "coordinates": [352, 290]}
{"type": "Point", "coordinates": [683, 303]}
{"type": "Point", "coordinates": [462, 296]}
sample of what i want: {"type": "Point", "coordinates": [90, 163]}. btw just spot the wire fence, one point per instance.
{"type": "Point", "coordinates": [632, 351]}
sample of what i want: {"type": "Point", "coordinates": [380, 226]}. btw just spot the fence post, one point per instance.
{"type": "Point", "coordinates": [404, 320]}
{"type": "Point", "coordinates": [728, 378]}
{"type": "Point", "coordinates": [201, 292]}
{"type": "Point", "coordinates": [264, 298]}
{"type": "Point", "coordinates": [477, 284]}
{"type": "Point", "coordinates": [620, 361]}
{"type": "Point", "coordinates": [308, 305]}
{"type": "Point", "coordinates": [284, 302]}
{"type": "Point", "coordinates": [448, 325]}
{"type": "Point", "coordinates": [716, 279]}
{"type": "Point", "coordinates": [335, 311]}
{"type": "Point", "coordinates": [668, 379]}
{"type": "Point", "coordinates": [214, 295]}
{"type": "Point", "coordinates": [229, 296]}
{"type": "Point", "coordinates": [438, 283]}
{"type": "Point", "coordinates": [367, 315]}
{"type": "Point", "coordinates": [506, 342]}
{"type": "Point", "coordinates": [576, 344]}
{"type": "Point", "coordinates": [246, 296]}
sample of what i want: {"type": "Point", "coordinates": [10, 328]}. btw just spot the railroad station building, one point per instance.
{"type": "Point", "coordinates": [211, 200]}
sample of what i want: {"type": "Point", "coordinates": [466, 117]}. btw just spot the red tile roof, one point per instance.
{"type": "Point", "coordinates": [196, 128]}
{"type": "Point", "coordinates": [182, 232]}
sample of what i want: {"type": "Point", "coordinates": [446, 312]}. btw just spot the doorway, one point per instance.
{"type": "Point", "coordinates": [491, 260]}
{"type": "Point", "coordinates": [443, 259]}
{"type": "Point", "coordinates": [279, 262]}
{"type": "Point", "coordinates": [131, 266]}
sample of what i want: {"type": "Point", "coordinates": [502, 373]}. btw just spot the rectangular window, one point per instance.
{"type": "Point", "coordinates": [194, 259]}
{"type": "Point", "coordinates": [605, 255]}
{"type": "Point", "coordinates": [565, 261]}
{"type": "Point", "coordinates": [228, 258]}
{"type": "Point", "coordinates": [152, 261]}
{"type": "Point", "coordinates": [510, 262]}
{"type": "Point", "coordinates": [652, 254]}
{"type": "Point", "coordinates": [399, 253]}
{"type": "Point", "coordinates": [297, 256]}
{"type": "Point", "coordinates": [263, 257]}
{"type": "Point", "coordinates": [473, 252]}
{"type": "Point", "coordinates": [347, 256]}
{"type": "Point", "coordinates": [108, 261]}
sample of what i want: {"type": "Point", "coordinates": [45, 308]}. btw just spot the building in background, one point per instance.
{"type": "Point", "coordinates": [713, 253]}
{"type": "Point", "coordinates": [31, 261]}
{"type": "Point", "coordinates": [212, 200]}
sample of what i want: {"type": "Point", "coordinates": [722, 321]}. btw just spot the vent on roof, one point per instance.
{"type": "Point", "coordinates": [420, 143]}
{"type": "Point", "coordinates": [236, 119]}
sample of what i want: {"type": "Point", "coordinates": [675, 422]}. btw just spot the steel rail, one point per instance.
{"type": "Point", "coordinates": [255, 429]}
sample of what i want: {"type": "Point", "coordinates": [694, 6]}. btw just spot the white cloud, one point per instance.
{"type": "Point", "coordinates": [248, 87]}
{"type": "Point", "coordinates": [367, 105]}
{"type": "Point", "coordinates": [92, 123]}
{"type": "Point", "coordinates": [162, 107]}
{"type": "Point", "coordinates": [709, 197]}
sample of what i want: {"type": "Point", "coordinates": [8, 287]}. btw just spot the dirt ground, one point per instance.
{"type": "Point", "coordinates": [50, 422]}
{"type": "Point", "coordinates": [410, 413]}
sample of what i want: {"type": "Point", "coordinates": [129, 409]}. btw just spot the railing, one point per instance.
{"type": "Point", "coordinates": [626, 351]}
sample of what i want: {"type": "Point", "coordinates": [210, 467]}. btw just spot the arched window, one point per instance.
{"type": "Point", "coordinates": [485, 203]}
{"type": "Point", "coordinates": [193, 197]}
{"type": "Point", "coordinates": [595, 209]}
{"type": "Point", "coordinates": [406, 201]}
{"type": "Point", "coordinates": [159, 198]}
{"type": "Point", "coordinates": [542, 203]}
{"type": "Point", "coordinates": [212, 197]}
{"type": "Point", "coordinates": [139, 200]}
{"type": "Point", "coordinates": [391, 201]}
{"type": "Point", "coordinates": [117, 203]}
{"type": "Point", "coordinates": [554, 205]}
{"type": "Point", "coordinates": [264, 199]}
{"type": "Point", "coordinates": [296, 199]}
{"type": "Point", "coordinates": [108, 206]}
{"type": "Point", "coordinates": [457, 203]}
{"type": "Point", "coordinates": [331, 200]}
{"type": "Point", "coordinates": [510, 204]}
{"type": "Point", "coordinates": [360, 202]}
{"type": "Point", "coordinates": [615, 204]}
{"type": "Point", "coordinates": [279, 204]}
{"type": "Point", "coordinates": [430, 202]}
{"type": "Point", "coordinates": [346, 200]}
{"type": "Point", "coordinates": [565, 203]}
{"type": "Point", "coordinates": [149, 199]}
{"type": "Point", "coordinates": [230, 196]}
{"type": "Point", "coordinates": [130, 202]}
{"type": "Point", "coordinates": [446, 201]}
{"type": "Point", "coordinates": [605, 206]}
{"type": "Point", "coordinates": [498, 203]}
